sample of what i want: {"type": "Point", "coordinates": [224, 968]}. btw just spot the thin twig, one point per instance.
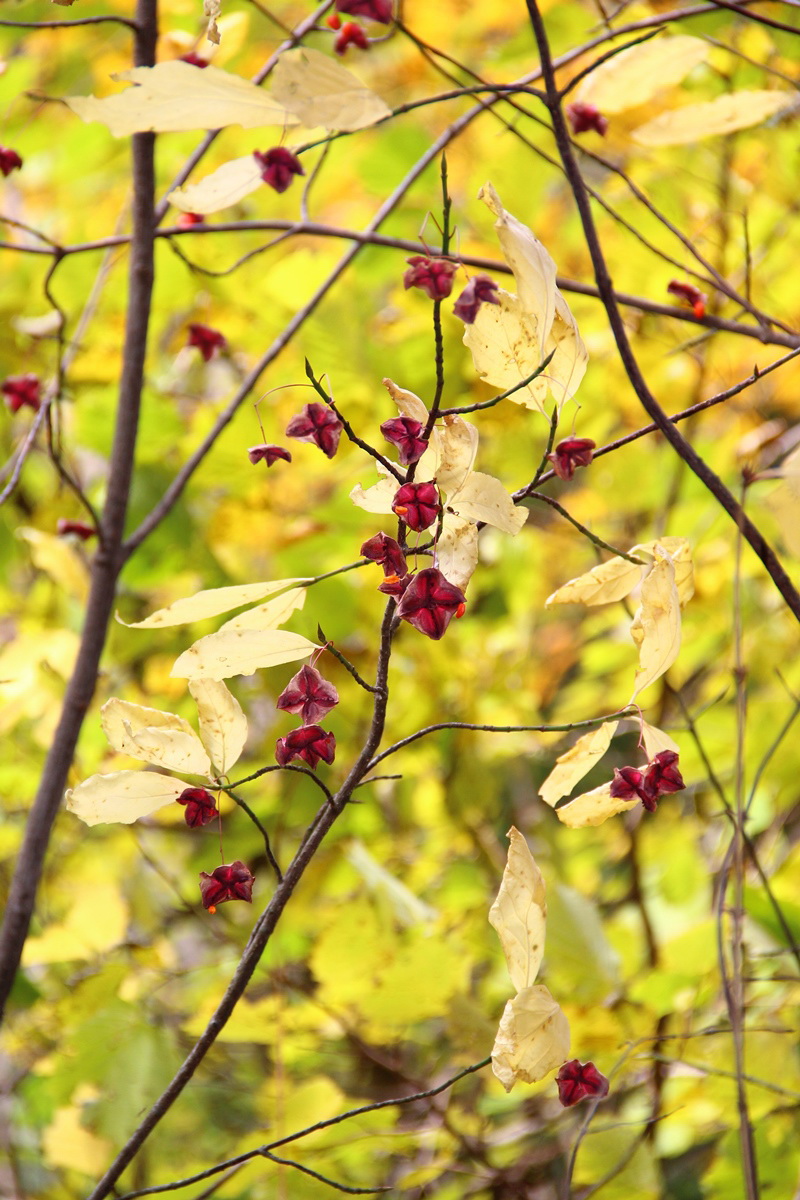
{"type": "Point", "coordinates": [340, 1187]}
{"type": "Point", "coordinates": [598, 541]}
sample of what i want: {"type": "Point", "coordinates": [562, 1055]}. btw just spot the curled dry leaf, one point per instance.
{"type": "Point", "coordinates": [321, 92]}
{"type": "Point", "coordinates": [124, 796]}
{"type": "Point", "coordinates": [532, 1040]}
{"type": "Point", "coordinates": [240, 652]}
{"type": "Point", "coordinates": [223, 725]}
{"type": "Point", "coordinates": [655, 740]}
{"type": "Point", "coordinates": [457, 550]}
{"type": "Point", "coordinates": [510, 339]}
{"type": "Point", "coordinates": [210, 603]}
{"type": "Point", "coordinates": [605, 583]}
{"type": "Point", "coordinates": [726, 114]}
{"type": "Point", "coordinates": [593, 808]}
{"type": "Point", "coordinates": [637, 74]}
{"type": "Point", "coordinates": [519, 912]}
{"type": "Point", "coordinates": [174, 96]}
{"type": "Point", "coordinates": [576, 762]}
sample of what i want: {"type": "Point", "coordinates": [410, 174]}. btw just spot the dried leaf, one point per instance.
{"type": "Point", "coordinates": [124, 796]}
{"type": "Point", "coordinates": [635, 75]}
{"type": "Point", "coordinates": [210, 603]}
{"type": "Point", "coordinates": [576, 762]}
{"type": "Point", "coordinates": [534, 269]}
{"type": "Point", "coordinates": [605, 583]}
{"type": "Point", "coordinates": [176, 96]}
{"type": "Point", "coordinates": [408, 404]}
{"type": "Point", "coordinates": [320, 92]}
{"type": "Point", "coordinates": [229, 184]}
{"type": "Point", "coordinates": [223, 725]}
{"type": "Point", "coordinates": [656, 627]}
{"type": "Point", "coordinates": [593, 808]}
{"type": "Point", "coordinates": [519, 913]}
{"type": "Point", "coordinates": [655, 740]}
{"type": "Point", "coordinates": [379, 497]}
{"type": "Point", "coordinates": [269, 615]}
{"type": "Point", "coordinates": [212, 10]}
{"type": "Point", "coordinates": [680, 552]}
{"type": "Point", "coordinates": [240, 652]}
{"type": "Point", "coordinates": [164, 739]}
{"type": "Point", "coordinates": [726, 114]}
{"type": "Point", "coordinates": [533, 1038]}
{"type": "Point", "coordinates": [457, 550]}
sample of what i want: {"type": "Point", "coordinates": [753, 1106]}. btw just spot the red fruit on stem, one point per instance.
{"type": "Point", "coordinates": [207, 340]}
{"type": "Point", "coordinates": [417, 504]}
{"type": "Point", "coordinates": [22, 391]}
{"type": "Point", "coordinates": [430, 602]}
{"type": "Point", "coordinates": [571, 453]}
{"type": "Point", "coordinates": [691, 294]}
{"type": "Point", "coordinates": [433, 276]}
{"type": "Point", "coordinates": [268, 454]}
{"type": "Point", "coordinates": [309, 695]}
{"type": "Point", "coordinates": [404, 433]}
{"type": "Point", "coordinates": [583, 117]}
{"type": "Point", "coordinates": [187, 219]}
{"type": "Point", "coordinates": [351, 35]}
{"type": "Point", "coordinates": [576, 1080]}
{"type": "Point", "coordinates": [309, 743]}
{"type": "Point", "coordinates": [9, 160]}
{"type": "Point", "coordinates": [278, 167]}
{"type": "Point", "coordinates": [201, 806]}
{"type": "Point", "coordinates": [374, 10]}
{"type": "Point", "coordinates": [385, 551]}
{"type": "Point", "coordinates": [194, 60]}
{"type": "Point", "coordinates": [480, 290]}
{"type": "Point", "coordinates": [231, 881]}
{"type": "Point", "coordinates": [80, 529]}
{"type": "Point", "coordinates": [318, 424]}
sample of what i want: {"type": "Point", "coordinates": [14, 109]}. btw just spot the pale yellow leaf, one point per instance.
{"type": "Point", "coordinates": [378, 498]}
{"type": "Point", "coordinates": [504, 346]}
{"type": "Point", "coordinates": [223, 725]}
{"type": "Point", "coordinates": [240, 652]}
{"type": "Point", "coordinates": [175, 96]}
{"type": "Point", "coordinates": [635, 75]}
{"type": "Point", "coordinates": [122, 797]}
{"type": "Point", "coordinates": [210, 603]}
{"type": "Point", "coordinates": [457, 449]}
{"type": "Point", "coordinates": [270, 615]}
{"type": "Point", "coordinates": [519, 913]}
{"type": "Point", "coordinates": [593, 808]}
{"type": "Point", "coordinates": [59, 559]}
{"type": "Point", "coordinates": [605, 583]}
{"type": "Point", "coordinates": [656, 627]}
{"type": "Point", "coordinates": [655, 740]}
{"type": "Point", "coordinates": [38, 327]}
{"type": "Point", "coordinates": [534, 269]}
{"type": "Point", "coordinates": [726, 114]}
{"type": "Point", "coordinates": [532, 1040]}
{"type": "Point", "coordinates": [457, 550]}
{"type": "Point", "coordinates": [163, 739]}
{"type": "Point", "coordinates": [172, 749]}
{"type": "Point", "coordinates": [483, 498]}
{"type": "Point", "coordinates": [229, 184]}
{"type": "Point", "coordinates": [321, 92]}
{"type": "Point", "coordinates": [576, 762]}
{"type": "Point", "coordinates": [407, 403]}
{"type": "Point", "coordinates": [680, 552]}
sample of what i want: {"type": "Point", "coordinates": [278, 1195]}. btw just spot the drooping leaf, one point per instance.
{"type": "Point", "coordinates": [457, 550]}
{"type": "Point", "coordinates": [210, 603]}
{"type": "Point", "coordinates": [519, 912]}
{"type": "Point", "coordinates": [576, 762]}
{"type": "Point", "coordinates": [175, 96]}
{"type": "Point", "coordinates": [656, 627]}
{"type": "Point", "coordinates": [229, 184]}
{"type": "Point", "coordinates": [124, 796]}
{"type": "Point", "coordinates": [223, 725]}
{"type": "Point", "coordinates": [605, 583]}
{"type": "Point", "coordinates": [534, 269]}
{"type": "Point", "coordinates": [457, 448]}
{"type": "Point", "coordinates": [655, 740]}
{"type": "Point", "coordinates": [407, 403]}
{"type": "Point", "coordinates": [483, 498]}
{"type": "Point", "coordinates": [164, 739]}
{"type": "Point", "coordinates": [270, 615]}
{"type": "Point", "coordinates": [635, 75]}
{"type": "Point", "coordinates": [532, 1040]}
{"type": "Point", "coordinates": [725, 114]}
{"type": "Point", "coordinates": [240, 652]}
{"type": "Point", "coordinates": [321, 92]}
{"type": "Point", "coordinates": [593, 808]}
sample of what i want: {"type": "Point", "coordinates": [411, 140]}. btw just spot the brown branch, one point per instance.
{"type": "Point", "coordinates": [709, 478]}
{"type": "Point", "coordinates": [108, 560]}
